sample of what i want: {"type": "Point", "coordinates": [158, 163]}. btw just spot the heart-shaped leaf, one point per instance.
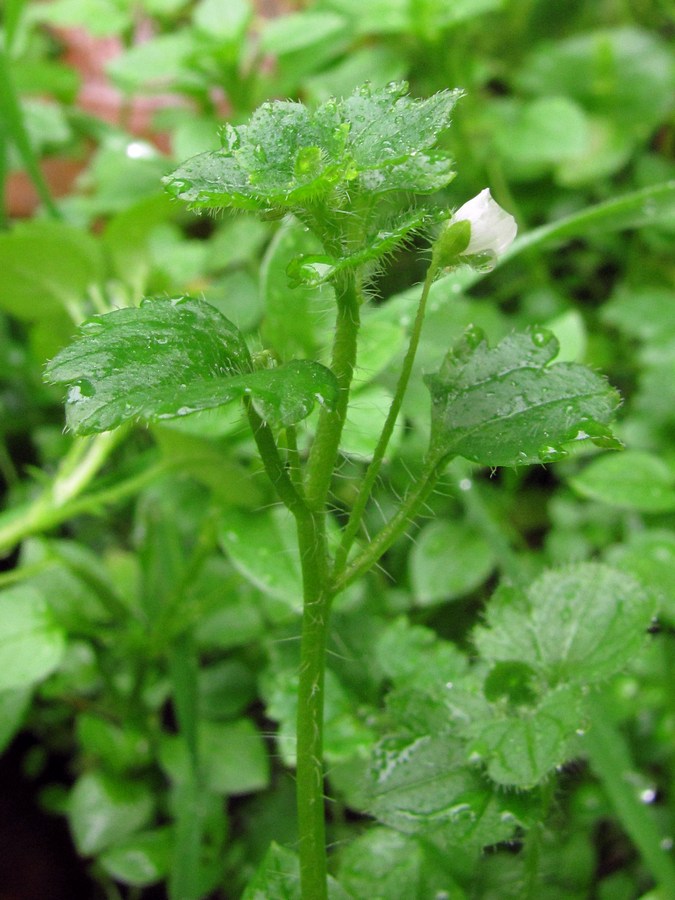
{"type": "Point", "coordinates": [505, 406]}
{"type": "Point", "coordinates": [172, 357]}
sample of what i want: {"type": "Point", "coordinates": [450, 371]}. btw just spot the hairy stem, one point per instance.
{"type": "Point", "coordinates": [394, 528]}
{"type": "Point", "coordinates": [269, 453]}
{"type": "Point", "coordinates": [373, 470]}
{"type": "Point", "coordinates": [309, 786]}
{"type": "Point", "coordinates": [329, 430]}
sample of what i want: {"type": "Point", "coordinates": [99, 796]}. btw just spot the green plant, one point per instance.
{"type": "Point", "coordinates": [151, 588]}
{"type": "Point", "coordinates": [346, 172]}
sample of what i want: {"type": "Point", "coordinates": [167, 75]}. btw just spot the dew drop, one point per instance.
{"type": "Point", "coordinates": [540, 338]}
{"type": "Point", "coordinates": [92, 328]}
{"type": "Point", "coordinates": [551, 454]}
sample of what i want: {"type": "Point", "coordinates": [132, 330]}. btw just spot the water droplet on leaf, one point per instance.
{"type": "Point", "coordinates": [541, 337]}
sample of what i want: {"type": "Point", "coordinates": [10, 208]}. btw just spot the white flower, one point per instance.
{"type": "Point", "coordinates": [492, 228]}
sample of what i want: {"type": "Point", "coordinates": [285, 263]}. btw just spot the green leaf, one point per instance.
{"type": "Point", "coordinates": [232, 755]}
{"type": "Point", "coordinates": [296, 317]}
{"type": "Point", "coordinates": [104, 810]}
{"type": "Point", "coordinates": [422, 783]}
{"type": "Point", "coordinates": [385, 865]}
{"type": "Point", "coordinates": [142, 860]}
{"type": "Point", "coordinates": [46, 269]}
{"type": "Point", "coordinates": [226, 689]}
{"type": "Point", "coordinates": [278, 878]}
{"type": "Point", "coordinates": [171, 357]}
{"type": "Point", "coordinates": [98, 17]}
{"type": "Point", "coordinates": [520, 747]}
{"type": "Point", "coordinates": [505, 406]}
{"type": "Point", "coordinates": [263, 550]}
{"type": "Point", "coordinates": [649, 556]}
{"type": "Point", "coordinates": [644, 312]}
{"type": "Point", "coordinates": [448, 560]}
{"type": "Point", "coordinates": [624, 73]}
{"type": "Point", "coordinates": [287, 156]}
{"type": "Point", "coordinates": [574, 626]}
{"type": "Point", "coordinates": [230, 612]}
{"type": "Point", "coordinates": [224, 23]}
{"type": "Point", "coordinates": [367, 415]}
{"type": "Point", "coordinates": [415, 657]}
{"type": "Point", "coordinates": [31, 643]}
{"type": "Point", "coordinates": [634, 480]}
{"type": "Point", "coordinates": [119, 749]}
{"type": "Point", "coordinates": [13, 707]}
{"type": "Point", "coordinates": [543, 132]}
{"type": "Point", "coordinates": [297, 31]}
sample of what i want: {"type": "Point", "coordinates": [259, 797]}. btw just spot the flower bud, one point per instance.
{"type": "Point", "coordinates": [478, 233]}
{"type": "Point", "coordinates": [492, 228]}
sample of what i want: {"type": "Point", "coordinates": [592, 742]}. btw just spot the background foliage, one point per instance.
{"type": "Point", "coordinates": [150, 588]}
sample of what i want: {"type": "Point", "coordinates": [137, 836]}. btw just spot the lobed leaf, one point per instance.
{"type": "Point", "coordinates": [573, 626]}
{"type": "Point", "coordinates": [422, 783]}
{"type": "Point", "coordinates": [520, 747]}
{"type": "Point", "coordinates": [172, 357]}
{"type": "Point", "coordinates": [506, 406]}
{"type": "Point", "coordinates": [378, 140]}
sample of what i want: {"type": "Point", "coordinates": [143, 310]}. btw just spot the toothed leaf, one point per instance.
{"type": "Point", "coordinates": [572, 626]}
{"type": "Point", "coordinates": [170, 358]}
{"type": "Point", "coordinates": [287, 155]}
{"type": "Point", "coordinates": [506, 406]}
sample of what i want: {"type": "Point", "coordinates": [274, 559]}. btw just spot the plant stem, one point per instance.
{"type": "Point", "coordinates": [183, 671]}
{"type": "Point", "coordinates": [324, 452]}
{"type": "Point", "coordinates": [311, 529]}
{"type": "Point", "coordinates": [394, 528]}
{"type": "Point", "coordinates": [373, 470]}
{"type": "Point", "coordinates": [54, 505]}
{"type": "Point", "coordinates": [309, 786]}
{"type": "Point", "coordinates": [274, 467]}
{"type": "Point", "coordinates": [611, 762]}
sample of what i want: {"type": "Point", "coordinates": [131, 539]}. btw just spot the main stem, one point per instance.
{"type": "Point", "coordinates": [321, 463]}
{"type": "Point", "coordinates": [373, 470]}
{"type": "Point", "coordinates": [308, 508]}
{"type": "Point", "coordinates": [309, 787]}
